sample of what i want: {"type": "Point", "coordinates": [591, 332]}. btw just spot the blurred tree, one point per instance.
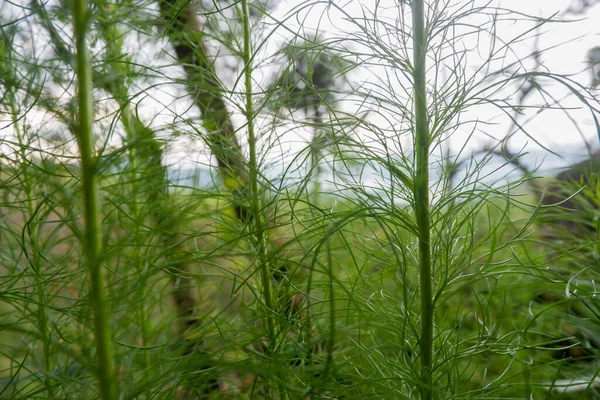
{"type": "Point", "coordinates": [594, 63]}
{"type": "Point", "coordinates": [312, 77]}
{"type": "Point", "coordinates": [581, 6]}
{"type": "Point", "coordinates": [186, 33]}
{"type": "Point", "coordinates": [593, 57]}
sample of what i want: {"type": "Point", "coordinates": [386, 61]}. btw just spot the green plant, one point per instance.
{"type": "Point", "coordinates": [408, 281]}
{"type": "Point", "coordinates": [92, 244]}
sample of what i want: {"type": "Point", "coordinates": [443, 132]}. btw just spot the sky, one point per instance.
{"type": "Point", "coordinates": [564, 50]}
{"type": "Point", "coordinates": [564, 46]}
{"type": "Point", "coordinates": [574, 40]}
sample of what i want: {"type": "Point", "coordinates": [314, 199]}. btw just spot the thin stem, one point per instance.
{"type": "Point", "coordinates": [43, 297]}
{"type": "Point", "coordinates": [254, 192]}
{"type": "Point", "coordinates": [133, 131]}
{"type": "Point", "coordinates": [422, 197]}
{"type": "Point", "coordinates": [315, 152]}
{"type": "Point", "coordinates": [92, 239]}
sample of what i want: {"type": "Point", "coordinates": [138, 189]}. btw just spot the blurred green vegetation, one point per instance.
{"type": "Point", "coordinates": [514, 313]}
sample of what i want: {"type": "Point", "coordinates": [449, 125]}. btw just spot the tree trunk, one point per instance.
{"type": "Point", "coordinates": [185, 33]}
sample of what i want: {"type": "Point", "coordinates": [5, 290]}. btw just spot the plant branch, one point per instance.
{"type": "Point", "coordinates": [422, 210]}
{"type": "Point", "coordinates": [92, 246]}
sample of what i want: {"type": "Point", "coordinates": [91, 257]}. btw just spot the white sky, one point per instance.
{"type": "Point", "coordinates": [575, 40]}
{"type": "Point", "coordinates": [564, 46]}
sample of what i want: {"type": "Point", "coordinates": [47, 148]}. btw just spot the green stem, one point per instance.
{"type": "Point", "coordinates": [92, 239]}
{"type": "Point", "coordinates": [422, 198]}
{"type": "Point", "coordinates": [132, 137]}
{"type": "Point", "coordinates": [134, 129]}
{"type": "Point", "coordinates": [254, 192]}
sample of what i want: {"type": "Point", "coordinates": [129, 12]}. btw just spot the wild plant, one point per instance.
{"type": "Point", "coordinates": [348, 241]}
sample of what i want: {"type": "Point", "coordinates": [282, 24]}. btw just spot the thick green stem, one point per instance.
{"type": "Point", "coordinates": [253, 176]}
{"type": "Point", "coordinates": [422, 198]}
{"type": "Point", "coordinates": [92, 240]}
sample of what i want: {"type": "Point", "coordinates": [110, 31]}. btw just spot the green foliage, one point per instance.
{"type": "Point", "coordinates": [396, 283]}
